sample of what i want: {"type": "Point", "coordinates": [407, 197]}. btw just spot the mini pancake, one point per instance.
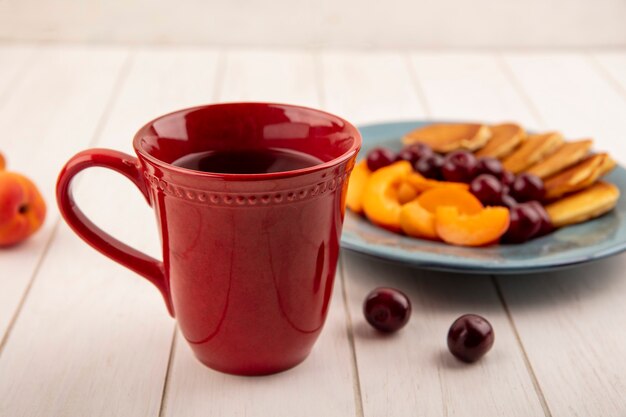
{"type": "Point", "coordinates": [450, 137]}
{"type": "Point", "coordinates": [587, 204]}
{"type": "Point", "coordinates": [565, 156]}
{"type": "Point", "coordinates": [505, 138]}
{"type": "Point", "coordinates": [579, 176]}
{"type": "Point", "coordinates": [534, 149]}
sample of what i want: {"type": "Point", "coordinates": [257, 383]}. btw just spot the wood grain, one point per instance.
{"type": "Point", "coordinates": [369, 87]}
{"type": "Point", "coordinates": [573, 97]}
{"type": "Point", "coordinates": [50, 111]}
{"type": "Point", "coordinates": [613, 66]}
{"type": "Point", "coordinates": [324, 384]}
{"type": "Point", "coordinates": [321, 386]}
{"type": "Point", "coordinates": [469, 86]}
{"type": "Point", "coordinates": [14, 60]}
{"type": "Point", "coordinates": [412, 373]}
{"type": "Point", "coordinates": [567, 320]}
{"type": "Point", "coordinates": [276, 76]}
{"type": "Point", "coordinates": [93, 339]}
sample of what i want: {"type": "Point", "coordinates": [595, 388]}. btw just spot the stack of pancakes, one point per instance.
{"type": "Point", "coordinates": [569, 170]}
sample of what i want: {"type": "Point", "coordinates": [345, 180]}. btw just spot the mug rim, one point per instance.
{"type": "Point", "coordinates": [354, 148]}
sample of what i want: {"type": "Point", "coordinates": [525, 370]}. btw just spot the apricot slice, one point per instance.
{"type": "Point", "coordinates": [480, 229]}
{"type": "Point", "coordinates": [3, 162]}
{"type": "Point", "coordinates": [406, 192]}
{"type": "Point", "coordinates": [416, 221]}
{"type": "Point", "coordinates": [417, 218]}
{"type": "Point", "coordinates": [424, 184]}
{"type": "Point", "coordinates": [447, 196]}
{"type": "Point", "coordinates": [380, 199]}
{"type": "Point", "coordinates": [356, 186]}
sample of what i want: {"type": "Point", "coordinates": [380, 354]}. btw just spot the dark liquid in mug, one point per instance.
{"type": "Point", "coordinates": [257, 161]}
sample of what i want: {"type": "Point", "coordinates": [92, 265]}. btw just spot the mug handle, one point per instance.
{"type": "Point", "coordinates": [129, 166]}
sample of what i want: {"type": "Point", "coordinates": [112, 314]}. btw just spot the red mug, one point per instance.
{"type": "Point", "coordinates": [248, 259]}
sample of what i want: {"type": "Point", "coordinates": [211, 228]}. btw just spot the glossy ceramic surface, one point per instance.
{"type": "Point", "coordinates": [566, 247]}
{"type": "Point", "coordinates": [248, 259]}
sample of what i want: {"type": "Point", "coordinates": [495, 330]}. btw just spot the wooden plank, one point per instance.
{"type": "Point", "coordinates": [52, 111]}
{"type": "Point", "coordinates": [94, 339]}
{"type": "Point", "coordinates": [14, 60]}
{"type": "Point", "coordinates": [412, 373]}
{"type": "Point", "coordinates": [323, 384]}
{"type": "Point", "coordinates": [569, 323]}
{"type": "Point", "coordinates": [567, 320]}
{"type": "Point", "coordinates": [469, 86]}
{"type": "Point", "coordinates": [613, 64]}
{"type": "Point", "coordinates": [276, 76]}
{"type": "Point", "coordinates": [384, 88]}
{"type": "Point", "coordinates": [573, 97]}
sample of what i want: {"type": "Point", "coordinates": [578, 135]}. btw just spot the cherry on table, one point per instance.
{"type": "Point", "coordinates": [387, 309]}
{"type": "Point", "coordinates": [379, 158]}
{"type": "Point", "coordinates": [470, 337]}
{"type": "Point", "coordinates": [459, 166]}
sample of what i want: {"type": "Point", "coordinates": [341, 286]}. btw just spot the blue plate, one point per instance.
{"type": "Point", "coordinates": [569, 246]}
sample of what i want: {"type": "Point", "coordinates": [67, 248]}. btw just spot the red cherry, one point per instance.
{"type": "Point", "coordinates": [430, 166]}
{"type": "Point", "coordinates": [527, 187]}
{"type": "Point", "coordinates": [470, 337]}
{"type": "Point", "coordinates": [379, 157]}
{"type": "Point", "coordinates": [490, 166]}
{"type": "Point", "coordinates": [487, 189]}
{"type": "Point", "coordinates": [508, 201]}
{"type": "Point", "coordinates": [507, 178]}
{"type": "Point", "coordinates": [420, 149]}
{"type": "Point", "coordinates": [459, 166]}
{"type": "Point", "coordinates": [387, 309]}
{"type": "Point", "coordinates": [524, 223]}
{"type": "Point", "coordinates": [408, 154]}
{"type": "Point", "coordinates": [546, 224]}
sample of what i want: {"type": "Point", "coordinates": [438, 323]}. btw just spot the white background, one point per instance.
{"type": "Point", "coordinates": [321, 23]}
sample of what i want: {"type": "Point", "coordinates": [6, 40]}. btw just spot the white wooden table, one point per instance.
{"type": "Point", "coordinates": [82, 336]}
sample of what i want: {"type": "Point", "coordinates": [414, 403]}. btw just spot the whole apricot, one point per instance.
{"type": "Point", "coordinates": [22, 209]}
{"type": "Point", "coordinates": [417, 218]}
